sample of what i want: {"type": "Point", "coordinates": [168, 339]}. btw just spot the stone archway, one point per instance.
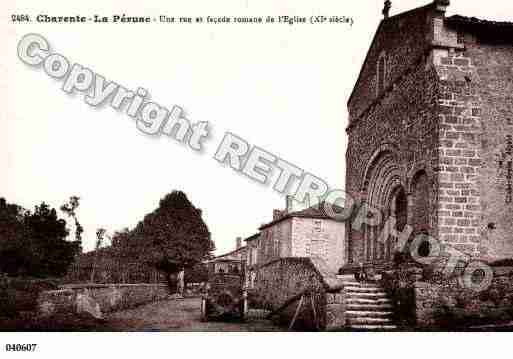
{"type": "Point", "coordinates": [384, 186]}
{"type": "Point", "coordinates": [399, 209]}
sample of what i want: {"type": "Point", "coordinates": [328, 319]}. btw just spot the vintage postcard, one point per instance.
{"type": "Point", "coordinates": [332, 167]}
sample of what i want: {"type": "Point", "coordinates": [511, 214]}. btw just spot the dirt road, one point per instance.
{"type": "Point", "coordinates": [177, 315]}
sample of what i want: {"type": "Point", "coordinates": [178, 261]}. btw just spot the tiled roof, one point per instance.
{"type": "Point", "coordinates": [474, 21]}
{"type": "Point", "coordinates": [316, 211]}
{"type": "Point", "coordinates": [230, 255]}
{"type": "Point", "coordinates": [250, 238]}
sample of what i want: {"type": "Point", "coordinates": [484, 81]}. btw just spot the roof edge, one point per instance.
{"type": "Point", "coordinates": [394, 17]}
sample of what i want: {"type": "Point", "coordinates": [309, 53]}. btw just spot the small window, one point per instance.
{"type": "Point", "coordinates": [317, 225]}
{"type": "Point", "coordinates": [381, 74]}
{"type": "Point", "coordinates": [461, 37]}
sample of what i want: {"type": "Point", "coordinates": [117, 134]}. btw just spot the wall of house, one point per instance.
{"type": "Point", "coordinates": [323, 238]}
{"type": "Point", "coordinates": [252, 261]}
{"type": "Point", "coordinates": [227, 267]}
{"type": "Point", "coordinates": [252, 256]}
{"type": "Point", "coordinates": [274, 242]}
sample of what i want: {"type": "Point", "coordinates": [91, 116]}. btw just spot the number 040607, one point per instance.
{"type": "Point", "coordinates": [20, 347]}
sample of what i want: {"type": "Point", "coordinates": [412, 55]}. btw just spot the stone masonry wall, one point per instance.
{"type": "Point", "coordinates": [109, 297]}
{"type": "Point", "coordinates": [448, 306]}
{"type": "Point", "coordinates": [452, 114]}
{"type": "Point", "coordinates": [459, 150]}
{"type": "Point", "coordinates": [494, 68]}
{"type": "Point", "coordinates": [476, 142]}
{"type": "Point", "coordinates": [284, 278]}
{"type": "Point", "coordinates": [404, 40]}
{"type": "Point", "coordinates": [404, 120]}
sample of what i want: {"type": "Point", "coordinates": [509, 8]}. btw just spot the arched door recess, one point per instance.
{"type": "Point", "coordinates": [385, 190]}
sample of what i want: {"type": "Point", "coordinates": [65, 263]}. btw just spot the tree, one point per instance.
{"type": "Point", "coordinates": [14, 243]}
{"type": "Point", "coordinates": [70, 208]}
{"type": "Point", "coordinates": [174, 236]}
{"type": "Point", "coordinates": [34, 243]}
{"type": "Point", "coordinates": [100, 239]}
{"type": "Point", "coordinates": [51, 253]}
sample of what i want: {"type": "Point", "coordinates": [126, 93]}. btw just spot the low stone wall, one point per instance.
{"type": "Point", "coordinates": [98, 299]}
{"type": "Point", "coordinates": [449, 306]}
{"type": "Point", "coordinates": [282, 279]}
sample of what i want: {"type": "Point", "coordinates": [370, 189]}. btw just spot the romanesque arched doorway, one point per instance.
{"type": "Point", "coordinates": [385, 189]}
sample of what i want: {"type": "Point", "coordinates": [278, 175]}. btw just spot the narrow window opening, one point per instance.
{"type": "Point", "coordinates": [381, 75]}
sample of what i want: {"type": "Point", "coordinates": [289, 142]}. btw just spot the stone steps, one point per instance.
{"type": "Point", "coordinates": [367, 313]}
{"type": "Point", "coordinates": [373, 327]}
{"type": "Point", "coordinates": [368, 320]}
{"type": "Point", "coordinates": [367, 307]}
{"type": "Point", "coordinates": [361, 285]}
{"type": "Point", "coordinates": [360, 300]}
{"type": "Point", "coordinates": [363, 289]}
{"type": "Point", "coordinates": [373, 295]}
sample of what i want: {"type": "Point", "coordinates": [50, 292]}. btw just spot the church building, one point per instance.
{"type": "Point", "coordinates": [431, 134]}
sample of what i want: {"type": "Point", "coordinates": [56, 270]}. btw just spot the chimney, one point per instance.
{"type": "Point", "coordinates": [276, 214]}
{"type": "Point", "coordinates": [441, 5]}
{"type": "Point", "coordinates": [238, 242]}
{"type": "Point", "coordinates": [288, 203]}
{"type": "Point", "coordinates": [386, 9]}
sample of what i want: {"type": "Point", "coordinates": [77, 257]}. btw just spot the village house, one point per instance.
{"type": "Point", "coordinates": [301, 234]}
{"type": "Point", "coordinates": [233, 262]}
{"type": "Point", "coordinates": [252, 244]}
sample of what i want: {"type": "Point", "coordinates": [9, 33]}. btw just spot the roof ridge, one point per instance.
{"type": "Point", "coordinates": [315, 211]}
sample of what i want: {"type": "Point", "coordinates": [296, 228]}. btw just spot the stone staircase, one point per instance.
{"type": "Point", "coordinates": [367, 307]}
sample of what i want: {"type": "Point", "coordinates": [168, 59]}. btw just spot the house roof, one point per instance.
{"type": "Point", "coordinates": [223, 260]}
{"type": "Point", "coordinates": [316, 211]}
{"type": "Point", "coordinates": [253, 237]}
{"type": "Point", "coordinates": [475, 22]}
{"type": "Point", "coordinates": [229, 255]}
{"type": "Point", "coordinates": [496, 30]}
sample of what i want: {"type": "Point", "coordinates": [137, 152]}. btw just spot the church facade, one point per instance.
{"type": "Point", "coordinates": [430, 134]}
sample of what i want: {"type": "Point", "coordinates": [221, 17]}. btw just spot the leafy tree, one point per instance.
{"type": "Point", "coordinates": [101, 233]}
{"type": "Point", "coordinates": [70, 208]}
{"type": "Point", "coordinates": [34, 243]}
{"type": "Point", "coordinates": [51, 253]}
{"type": "Point", "coordinates": [174, 236]}
{"type": "Point", "coordinates": [14, 243]}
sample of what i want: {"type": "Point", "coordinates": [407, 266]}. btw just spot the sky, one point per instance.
{"type": "Point", "coordinates": [282, 88]}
